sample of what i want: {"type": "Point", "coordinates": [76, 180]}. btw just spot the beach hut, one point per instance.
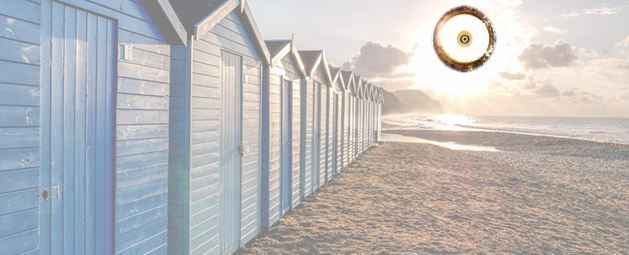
{"type": "Point", "coordinates": [361, 117]}
{"type": "Point", "coordinates": [348, 82]}
{"type": "Point", "coordinates": [355, 116]}
{"type": "Point", "coordinates": [370, 120]}
{"type": "Point", "coordinates": [214, 175]}
{"type": "Point", "coordinates": [281, 135]}
{"type": "Point", "coordinates": [318, 79]}
{"type": "Point", "coordinates": [338, 86]}
{"type": "Point", "coordinates": [84, 87]}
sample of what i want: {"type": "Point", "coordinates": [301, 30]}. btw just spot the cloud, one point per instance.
{"type": "Point", "coordinates": [538, 56]}
{"type": "Point", "coordinates": [624, 43]}
{"type": "Point", "coordinates": [602, 10]}
{"type": "Point", "coordinates": [587, 97]}
{"type": "Point", "coordinates": [377, 60]}
{"type": "Point", "coordinates": [554, 30]}
{"type": "Point", "coordinates": [547, 91]}
{"type": "Point", "coordinates": [570, 93]}
{"type": "Point", "coordinates": [512, 76]}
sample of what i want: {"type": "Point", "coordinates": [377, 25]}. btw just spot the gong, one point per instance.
{"type": "Point", "coordinates": [464, 38]}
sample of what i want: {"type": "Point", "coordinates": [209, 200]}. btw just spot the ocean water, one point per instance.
{"type": "Point", "coordinates": [613, 130]}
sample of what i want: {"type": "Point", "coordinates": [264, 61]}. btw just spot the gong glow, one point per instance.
{"type": "Point", "coordinates": [449, 38]}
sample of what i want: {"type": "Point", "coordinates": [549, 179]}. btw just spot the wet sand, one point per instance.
{"type": "Point", "coordinates": [535, 195]}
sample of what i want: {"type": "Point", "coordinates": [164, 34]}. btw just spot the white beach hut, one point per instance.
{"type": "Point", "coordinates": [348, 82]}
{"type": "Point", "coordinates": [337, 110]}
{"type": "Point", "coordinates": [318, 79]}
{"type": "Point", "coordinates": [355, 116]}
{"type": "Point", "coordinates": [214, 176]}
{"type": "Point", "coordinates": [281, 131]}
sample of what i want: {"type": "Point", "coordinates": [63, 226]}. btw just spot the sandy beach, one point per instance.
{"type": "Point", "coordinates": [535, 194]}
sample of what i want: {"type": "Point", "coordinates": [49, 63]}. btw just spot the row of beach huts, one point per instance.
{"type": "Point", "coordinates": [163, 126]}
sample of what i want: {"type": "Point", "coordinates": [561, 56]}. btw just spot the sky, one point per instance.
{"type": "Point", "coordinates": [552, 58]}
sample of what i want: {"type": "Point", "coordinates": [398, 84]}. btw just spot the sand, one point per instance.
{"type": "Point", "coordinates": [536, 195]}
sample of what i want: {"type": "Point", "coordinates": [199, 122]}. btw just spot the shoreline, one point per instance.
{"type": "Point", "coordinates": [387, 126]}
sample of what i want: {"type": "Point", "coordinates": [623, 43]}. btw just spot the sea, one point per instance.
{"type": "Point", "coordinates": [611, 130]}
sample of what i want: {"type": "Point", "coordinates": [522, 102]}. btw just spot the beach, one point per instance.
{"type": "Point", "coordinates": [528, 194]}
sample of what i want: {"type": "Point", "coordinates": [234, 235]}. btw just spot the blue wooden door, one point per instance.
{"type": "Point", "coordinates": [78, 131]}
{"type": "Point", "coordinates": [287, 131]}
{"type": "Point", "coordinates": [231, 150]}
{"type": "Point", "coordinates": [316, 136]}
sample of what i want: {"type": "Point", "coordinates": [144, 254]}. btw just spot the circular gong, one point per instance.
{"type": "Point", "coordinates": [464, 38]}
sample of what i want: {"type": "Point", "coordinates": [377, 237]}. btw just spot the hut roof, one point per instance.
{"type": "Point", "coordinates": [314, 59]}
{"type": "Point", "coordinates": [199, 16]}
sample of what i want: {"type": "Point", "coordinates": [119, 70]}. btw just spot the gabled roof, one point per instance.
{"type": "Point", "coordinates": [339, 85]}
{"type": "Point", "coordinates": [280, 48]}
{"type": "Point", "coordinates": [199, 16]}
{"type": "Point", "coordinates": [363, 91]}
{"type": "Point", "coordinates": [314, 59]}
{"type": "Point", "coordinates": [167, 21]}
{"type": "Point", "coordinates": [356, 86]}
{"type": "Point", "coordinates": [348, 79]}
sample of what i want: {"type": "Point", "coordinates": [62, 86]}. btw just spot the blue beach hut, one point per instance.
{"type": "Point", "coordinates": [215, 170]}
{"type": "Point", "coordinates": [281, 173]}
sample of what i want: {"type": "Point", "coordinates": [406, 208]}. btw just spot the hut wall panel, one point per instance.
{"type": "Point", "coordinates": [275, 150]}
{"type": "Point", "coordinates": [19, 126]}
{"type": "Point", "coordinates": [229, 34]}
{"type": "Point", "coordinates": [178, 175]}
{"type": "Point", "coordinates": [143, 88]}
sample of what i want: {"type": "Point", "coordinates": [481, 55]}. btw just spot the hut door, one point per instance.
{"type": "Point", "coordinates": [316, 137]}
{"type": "Point", "coordinates": [287, 131]}
{"type": "Point", "coordinates": [335, 133]}
{"type": "Point", "coordinates": [78, 135]}
{"type": "Point", "coordinates": [231, 150]}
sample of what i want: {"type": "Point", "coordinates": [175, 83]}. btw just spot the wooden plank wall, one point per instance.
{"type": "Point", "coordinates": [19, 126]}
{"type": "Point", "coordinates": [275, 143]}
